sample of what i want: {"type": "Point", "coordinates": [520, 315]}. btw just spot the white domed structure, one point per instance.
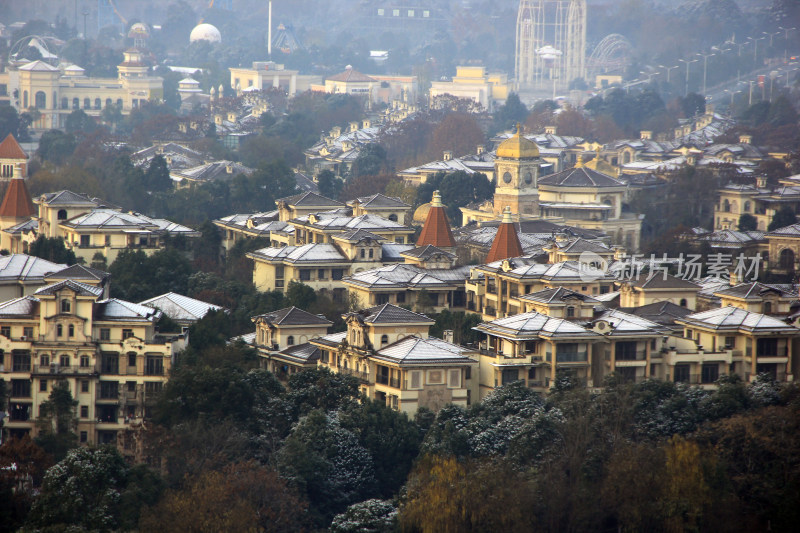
{"type": "Point", "coordinates": [205, 32]}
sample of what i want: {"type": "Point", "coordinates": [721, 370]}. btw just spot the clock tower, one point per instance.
{"type": "Point", "coordinates": [516, 165]}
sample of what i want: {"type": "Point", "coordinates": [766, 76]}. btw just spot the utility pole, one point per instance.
{"type": "Point", "coordinates": [688, 62]}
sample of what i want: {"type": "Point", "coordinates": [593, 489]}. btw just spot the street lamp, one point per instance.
{"type": "Point", "coordinates": [785, 41]}
{"type": "Point", "coordinates": [705, 68]}
{"type": "Point", "coordinates": [668, 70]}
{"type": "Point", "coordinates": [688, 62]}
{"type": "Point", "coordinates": [771, 35]}
{"type": "Point", "coordinates": [750, 98]}
{"type": "Point", "coordinates": [649, 75]}
{"type": "Point", "coordinates": [755, 49]}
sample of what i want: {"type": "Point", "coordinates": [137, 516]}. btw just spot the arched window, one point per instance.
{"type": "Point", "coordinates": [87, 103]}
{"type": "Point", "coordinates": [65, 103]}
{"type": "Point", "coordinates": [684, 303]}
{"type": "Point", "coordinates": [24, 99]}
{"type": "Point", "coordinates": [626, 157]}
{"type": "Point", "coordinates": [109, 103]}
{"type": "Point", "coordinates": [362, 253]}
{"type": "Point", "coordinates": [62, 214]}
{"type": "Point", "coordinates": [119, 103]}
{"type": "Point", "coordinates": [393, 217]}
{"type": "Point", "coordinates": [65, 306]}
{"type": "Point", "coordinates": [71, 331]}
{"type": "Point", "coordinates": [290, 340]}
{"type": "Point", "coordinates": [76, 103]}
{"type": "Point", "coordinates": [767, 308]}
{"type": "Point", "coordinates": [747, 207]}
{"type": "Point", "coordinates": [570, 312]}
{"type": "Point", "coordinates": [384, 339]}
{"type": "Point", "coordinates": [59, 330]}
{"type": "Point", "coordinates": [371, 253]}
{"type": "Point", "coordinates": [786, 260]}
{"type": "Point", "coordinates": [726, 206]}
{"type": "Point", "coordinates": [40, 100]}
{"type": "Point", "coordinates": [97, 103]}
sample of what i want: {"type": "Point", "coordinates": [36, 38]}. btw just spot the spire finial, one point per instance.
{"type": "Point", "coordinates": [579, 161]}
{"type": "Point", "coordinates": [436, 201]}
{"type": "Point", "coordinates": [519, 129]}
{"type": "Point", "coordinates": [507, 215]}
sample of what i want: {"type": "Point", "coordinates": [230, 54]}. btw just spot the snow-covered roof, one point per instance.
{"type": "Point", "coordinates": [179, 307]}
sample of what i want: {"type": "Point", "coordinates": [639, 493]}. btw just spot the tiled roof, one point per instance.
{"type": "Point", "coordinates": [358, 235]}
{"type": "Point", "coordinates": [25, 306]}
{"type": "Point", "coordinates": [26, 267]}
{"type": "Point", "coordinates": [215, 170]}
{"type": "Point", "coordinates": [79, 272]}
{"type": "Point", "coordinates": [664, 313]}
{"type": "Point", "coordinates": [17, 202]}
{"type": "Point", "coordinates": [427, 251]}
{"type": "Point", "coordinates": [579, 245]}
{"type": "Point", "coordinates": [39, 66]}
{"type": "Point", "coordinates": [179, 307]}
{"type": "Point", "coordinates": [506, 243]}
{"type": "Point", "coordinates": [350, 75]}
{"type": "Point", "coordinates": [580, 177]}
{"type": "Point", "coordinates": [436, 230]}
{"type": "Point", "coordinates": [114, 309]}
{"type": "Point", "coordinates": [301, 353]}
{"type": "Point", "coordinates": [754, 291]}
{"type": "Point", "coordinates": [534, 325]}
{"type": "Point", "coordinates": [622, 324]}
{"type": "Point", "coordinates": [786, 231]}
{"type": "Point", "coordinates": [660, 281]}
{"type": "Point", "coordinates": [391, 314]}
{"type": "Point", "coordinates": [68, 198]}
{"type": "Point", "coordinates": [418, 351]}
{"type": "Point", "coordinates": [10, 149]}
{"type": "Point", "coordinates": [310, 199]}
{"type": "Point", "coordinates": [558, 295]}
{"type": "Point", "coordinates": [81, 288]}
{"type": "Point", "coordinates": [380, 200]}
{"type": "Point", "coordinates": [293, 316]}
{"type": "Point", "coordinates": [733, 318]}
{"type": "Point", "coordinates": [315, 252]}
{"type": "Point", "coordinates": [408, 276]}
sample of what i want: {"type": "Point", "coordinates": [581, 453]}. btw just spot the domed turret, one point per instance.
{"type": "Point", "coordinates": [518, 147]}
{"type": "Point", "coordinates": [205, 32]}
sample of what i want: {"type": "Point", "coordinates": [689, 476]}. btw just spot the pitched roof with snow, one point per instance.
{"type": "Point", "coordinates": [79, 272]}
{"type": "Point", "coordinates": [350, 75]}
{"type": "Point", "coordinates": [23, 267]}
{"type": "Point", "coordinates": [755, 291]}
{"type": "Point", "coordinates": [310, 199]}
{"type": "Point", "coordinates": [624, 324]}
{"type": "Point", "coordinates": [533, 325]}
{"type": "Point", "coordinates": [82, 289]}
{"type": "Point", "coordinates": [734, 319]}
{"type": "Point", "coordinates": [179, 307]}
{"type": "Point", "coordinates": [391, 314]}
{"type": "Point", "coordinates": [558, 295]}
{"type": "Point", "coordinates": [69, 198]}
{"type": "Point", "coordinates": [300, 353]}
{"type": "Point", "coordinates": [307, 253]}
{"type": "Point", "coordinates": [115, 309]}
{"type": "Point", "coordinates": [413, 350]}
{"type": "Point", "coordinates": [292, 316]}
{"type": "Point", "coordinates": [380, 201]}
{"type": "Point", "coordinates": [580, 177]}
{"type": "Point", "coordinates": [19, 307]}
{"type": "Point", "coordinates": [409, 276]}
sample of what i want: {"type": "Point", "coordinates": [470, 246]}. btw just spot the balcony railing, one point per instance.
{"type": "Point", "coordinates": [64, 370]}
{"type": "Point", "coordinates": [355, 373]}
{"type": "Point", "coordinates": [781, 351]}
{"type": "Point", "coordinates": [638, 356]}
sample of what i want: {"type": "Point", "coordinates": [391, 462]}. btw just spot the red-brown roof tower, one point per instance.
{"type": "Point", "coordinates": [436, 230]}
{"type": "Point", "coordinates": [506, 242]}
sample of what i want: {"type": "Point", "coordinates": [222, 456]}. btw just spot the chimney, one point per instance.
{"type": "Point", "coordinates": [709, 108]}
{"type": "Point", "coordinates": [481, 149]}
{"type": "Point", "coordinates": [550, 130]}
{"type": "Point", "coordinates": [745, 139]}
{"type": "Point", "coordinates": [229, 168]}
{"type": "Point", "coordinates": [448, 335]}
{"type": "Point", "coordinates": [353, 126]}
{"type": "Point", "coordinates": [447, 155]}
{"type": "Point", "coordinates": [619, 253]}
{"type": "Point", "coordinates": [561, 237]}
{"type": "Point", "coordinates": [367, 123]}
{"type": "Point", "coordinates": [734, 277]}
{"type": "Point", "coordinates": [645, 135]}
{"type": "Point", "coordinates": [761, 182]}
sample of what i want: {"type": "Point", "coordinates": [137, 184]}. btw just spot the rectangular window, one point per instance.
{"type": "Point", "coordinates": [710, 373]}
{"type": "Point", "coordinates": [382, 375]}
{"type": "Point", "coordinates": [401, 297]}
{"type": "Point", "coordinates": [454, 378]}
{"type": "Point", "coordinates": [625, 351]}
{"type": "Point", "coordinates": [85, 240]}
{"type": "Point", "coordinates": [42, 385]}
{"type": "Point", "coordinates": [109, 390]}
{"type": "Point", "coordinates": [84, 361]}
{"type": "Point", "coordinates": [131, 385]}
{"type": "Point", "coordinates": [154, 365]}
{"type": "Point", "coordinates": [84, 436]}
{"type": "Point", "coordinates": [126, 333]}
{"type": "Point", "coordinates": [21, 362]}
{"type": "Point", "coordinates": [682, 373]}
{"type": "Point", "coordinates": [5, 331]}
{"type": "Point", "coordinates": [131, 359]}
{"type": "Point", "coordinates": [105, 334]}
{"type": "Point", "coordinates": [395, 12]}
{"type": "Point", "coordinates": [380, 12]}
{"type": "Point", "coordinates": [84, 411]}
{"type": "Point", "coordinates": [153, 387]}
{"type": "Point", "coordinates": [85, 385]}
{"type": "Point", "coordinates": [27, 332]}
{"type": "Point", "coordinates": [110, 363]}
{"type": "Point", "coordinates": [20, 388]}
{"type": "Point", "coordinates": [279, 272]}
{"type": "Point", "coordinates": [416, 379]}
{"type": "Point", "coordinates": [381, 299]}
{"type": "Point", "coordinates": [730, 342]}
{"type": "Point", "coordinates": [337, 273]}
{"type": "Point", "coordinates": [44, 359]}
{"type": "Point", "coordinates": [426, 14]}
{"type": "Point", "coordinates": [410, 12]}
{"type": "Point", "coordinates": [468, 373]}
{"type": "Point", "coordinates": [321, 273]}
{"type": "Point", "coordinates": [305, 274]}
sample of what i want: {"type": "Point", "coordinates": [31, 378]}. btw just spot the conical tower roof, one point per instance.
{"type": "Point", "coordinates": [17, 202]}
{"type": "Point", "coordinates": [10, 149]}
{"type": "Point", "coordinates": [436, 230]}
{"type": "Point", "coordinates": [506, 242]}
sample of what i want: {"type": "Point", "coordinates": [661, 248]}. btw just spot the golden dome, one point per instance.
{"type": "Point", "coordinates": [421, 213]}
{"type": "Point", "coordinates": [517, 147]}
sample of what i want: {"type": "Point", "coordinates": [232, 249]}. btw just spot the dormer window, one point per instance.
{"type": "Point", "coordinates": [66, 306]}
{"type": "Point", "coordinates": [62, 214]}
{"type": "Point", "coordinates": [570, 312]}
{"type": "Point", "coordinates": [290, 340]}
{"type": "Point", "coordinates": [384, 339]}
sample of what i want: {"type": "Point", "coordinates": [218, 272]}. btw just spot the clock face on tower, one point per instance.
{"type": "Point", "coordinates": [507, 177]}
{"type": "Point", "coordinates": [528, 178]}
